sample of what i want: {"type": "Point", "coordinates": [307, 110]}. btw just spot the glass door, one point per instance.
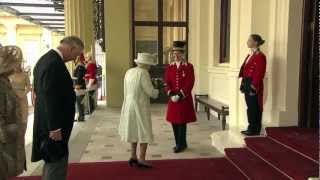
{"type": "Point", "coordinates": [156, 24]}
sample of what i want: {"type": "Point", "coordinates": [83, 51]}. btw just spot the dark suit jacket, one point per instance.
{"type": "Point", "coordinates": [79, 73]}
{"type": "Point", "coordinates": [55, 101]}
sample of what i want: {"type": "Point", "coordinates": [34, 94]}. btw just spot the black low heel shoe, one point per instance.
{"type": "Point", "coordinates": [244, 132]}
{"type": "Point", "coordinates": [144, 166]}
{"type": "Point", "coordinates": [133, 162]}
{"type": "Point", "coordinates": [180, 149]}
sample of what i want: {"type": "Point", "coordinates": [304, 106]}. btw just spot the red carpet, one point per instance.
{"type": "Point", "coordinates": [253, 166]}
{"type": "Point", "coordinates": [274, 157]}
{"type": "Point", "coordinates": [304, 140]}
{"type": "Point", "coordinates": [196, 169]}
{"type": "Point", "coordinates": [289, 162]}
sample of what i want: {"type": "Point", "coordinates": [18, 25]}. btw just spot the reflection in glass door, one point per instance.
{"type": "Point", "coordinates": [171, 34]}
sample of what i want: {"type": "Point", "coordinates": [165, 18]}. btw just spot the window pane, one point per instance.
{"type": "Point", "coordinates": [171, 34]}
{"type": "Point", "coordinates": [174, 10]}
{"type": "Point", "coordinates": [225, 31]}
{"type": "Point", "coordinates": [146, 10]}
{"type": "Point", "coordinates": [146, 40]}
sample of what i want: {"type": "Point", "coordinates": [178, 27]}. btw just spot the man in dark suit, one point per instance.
{"type": "Point", "coordinates": [54, 108]}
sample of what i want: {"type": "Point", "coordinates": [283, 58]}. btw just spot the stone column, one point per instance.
{"type": "Point", "coordinates": [118, 48]}
{"type": "Point", "coordinates": [79, 20]}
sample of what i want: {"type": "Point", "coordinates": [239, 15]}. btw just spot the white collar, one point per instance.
{"type": "Point", "coordinates": [253, 50]}
{"type": "Point", "coordinates": [178, 63]}
{"type": "Point", "coordinates": [59, 52]}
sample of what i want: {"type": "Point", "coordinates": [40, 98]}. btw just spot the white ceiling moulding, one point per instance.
{"type": "Point", "coordinates": [46, 13]}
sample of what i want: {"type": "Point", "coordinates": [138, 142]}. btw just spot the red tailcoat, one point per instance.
{"type": "Point", "coordinates": [180, 80]}
{"type": "Point", "coordinates": [91, 72]}
{"type": "Point", "coordinates": [255, 68]}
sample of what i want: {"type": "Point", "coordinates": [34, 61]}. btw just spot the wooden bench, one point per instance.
{"type": "Point", "coordinates": [212, 104]}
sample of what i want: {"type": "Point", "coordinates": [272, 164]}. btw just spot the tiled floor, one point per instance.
{"type": "Point", "coordinates": [97, 139]}
{"type": "Point", "coordinates": [104, 144]}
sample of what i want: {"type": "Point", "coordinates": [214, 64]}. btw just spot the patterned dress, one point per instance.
{"type": "Point", "coordinates": [21, 85]}
{"type": "Point", "coordinates": [11, 149]}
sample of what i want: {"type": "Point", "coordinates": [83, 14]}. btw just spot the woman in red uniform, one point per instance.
{"type": "Point", "coordinates": [91, 79]}
{"type": "Point", "coordinates": [252, 73]}
{"type": "Point", "coordinates": [179, 79]}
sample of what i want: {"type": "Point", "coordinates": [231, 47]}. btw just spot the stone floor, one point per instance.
{"type": "Point", "coordinates": [97, 139]}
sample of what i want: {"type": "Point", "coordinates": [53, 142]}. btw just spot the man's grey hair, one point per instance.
{"type": "Point", "coordinates": [73, 41]}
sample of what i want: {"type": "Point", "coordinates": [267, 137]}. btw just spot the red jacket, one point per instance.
{"type": "Point", "coordinates": [180, 80]}
{"type": "Point", "coordinates": [91, 72]}
{"type": "Point", "coordinates": [255, 69]}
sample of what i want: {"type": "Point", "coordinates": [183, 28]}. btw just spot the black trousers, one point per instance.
{"type": "Point", "coordinates": [254, 113]}
{"type": "Point", "coordinates": [92, 101]}
{"type": "Point", "coordinates": [55, 171]}
{"type": "Point", "coordinates": [180, 135]}
{"type": "Point", "coordinates": [80, 107]}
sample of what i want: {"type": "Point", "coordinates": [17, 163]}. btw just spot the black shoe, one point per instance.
{"type": "Point", "coordinates": [244, 132]}
{"type": "Point", "coordinates": [174, 148]}
{"type": "Point", "coordinates": [251, 133]}
{"type": "Point", "coordinates": [144, 166]}
{"type": "Point", "coordinates": [133, 162]}
{"type": "Point", "coordinates": [179, 149]}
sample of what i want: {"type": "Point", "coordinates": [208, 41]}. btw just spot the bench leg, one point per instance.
{"type": "Point", "coordinates": [196, 106]}
{"type": "Point", "coordinates": [208, 113]}
{"type": "Point", "coordinates": [224, 119]}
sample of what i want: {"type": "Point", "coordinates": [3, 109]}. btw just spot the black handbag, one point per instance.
{"type": "Point", "coordinates": [53, 151]}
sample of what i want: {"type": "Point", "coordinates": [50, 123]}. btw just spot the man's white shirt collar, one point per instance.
{"type": "Point", "coordinates": [59, 52]}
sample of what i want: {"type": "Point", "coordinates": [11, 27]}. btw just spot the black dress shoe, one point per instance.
{"type": "Point", "coordinates": [133, 162]}
{"type": "Point", "coordinates": [143, 165]}
{"type": "Point", "coordinates": [251, 133]}
{"type": "Point", "coordinates": [174, 148]}
{"type": "Point", "coordinates": [244, 132]}
{"type": "Point", "coordinates": [179, 150]}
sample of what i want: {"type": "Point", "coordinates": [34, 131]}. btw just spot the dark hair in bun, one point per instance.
{"type": "Point", "coordinates": [257, 38]}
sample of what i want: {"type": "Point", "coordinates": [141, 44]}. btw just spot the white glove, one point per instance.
{"type": "Point", "coordinates": [175, 98]}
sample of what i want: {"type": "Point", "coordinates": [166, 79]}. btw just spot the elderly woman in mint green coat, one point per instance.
{"type": "Point", "coordinates": [135, 121]}
{"type": "Point", "coordinates": [12, 152]}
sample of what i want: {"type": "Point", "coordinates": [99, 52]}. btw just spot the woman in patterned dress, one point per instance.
{"type": "Point", "coordinates": [11, 148]}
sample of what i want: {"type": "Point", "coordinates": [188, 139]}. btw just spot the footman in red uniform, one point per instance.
{"type": "Point", "coordinates": [252, 73]}
{"type": "Point", "coordinates": [179, 79]}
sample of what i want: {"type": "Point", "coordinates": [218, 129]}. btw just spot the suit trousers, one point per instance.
{"type": "Point", "coordinates": [180, 135]}
{"type": "Point", "coordinates": [254, 113]}
{"type": "Point", "coordinates": [92, 100]}
{"type": "Point", "coordinates": [80, 107]}
{"type": "Point", "coordinates": [56, 170]}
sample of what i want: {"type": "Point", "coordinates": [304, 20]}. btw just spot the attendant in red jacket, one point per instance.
{"type": "Point", "coordinates": [252, 73]}
{"type": "Point", "coordinates": [179, 79]}
{"type": "Point", "coordinates": [91, 79]}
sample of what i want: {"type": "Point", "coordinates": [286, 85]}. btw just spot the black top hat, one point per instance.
{"type": "Point", "coordinates": [179, 45]}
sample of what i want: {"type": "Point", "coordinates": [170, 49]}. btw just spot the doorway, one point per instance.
{"type": "Point", "coordinates": [155, 25]}
{"type": "Point", "coordinates": [309, 68]}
